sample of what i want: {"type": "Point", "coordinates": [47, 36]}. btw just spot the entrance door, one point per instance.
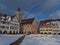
{"type": "Point", "coordinates": [29, 32]}
{"type": "Point", "coordinates": [10, 32]}
{"type": "Point", "coordinates": [5, 32]}
{"type": "Point", "coordinates": [13, 32]}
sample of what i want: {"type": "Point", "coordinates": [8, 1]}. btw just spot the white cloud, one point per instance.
{"type": "Point", "coordinates": [55, 15]}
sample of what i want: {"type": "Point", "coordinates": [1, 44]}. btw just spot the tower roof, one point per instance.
{"type": "Point", "coordinates": [18, 9]}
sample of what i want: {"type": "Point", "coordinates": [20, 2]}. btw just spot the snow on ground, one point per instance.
{"type": "Point", "coordinates": [41, 40]}
{"type": "Point", "coordinates": [6, 39]}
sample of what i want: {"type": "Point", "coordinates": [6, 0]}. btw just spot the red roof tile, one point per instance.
{"type": "Point", "coordinates": [44, 22]}
{"type": "Point", "coordinates": [26, 21]}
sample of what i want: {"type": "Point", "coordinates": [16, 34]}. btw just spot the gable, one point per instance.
{"type": "Point", "coordinates": [14, 19]}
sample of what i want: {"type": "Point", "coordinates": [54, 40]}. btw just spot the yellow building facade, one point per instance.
{"type": "Point", "coordinates": [45, 27]}
{"type": "Point", "coordinates": [29, 26]}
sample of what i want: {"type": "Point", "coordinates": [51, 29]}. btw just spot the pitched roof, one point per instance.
{"type": "Point", "coordinates": [27, 21]}
{"type": "Point", "coordinates": [44, 22]}
{"type": "Point", "coordinates": [55, 19]}
{"type": "Point", "coordinates": [5, 15]}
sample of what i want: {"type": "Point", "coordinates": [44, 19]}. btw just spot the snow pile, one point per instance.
{"type": "Point", "coordinates": [41, 40]}
{"type": "Point", "coordinates": [6, 39]}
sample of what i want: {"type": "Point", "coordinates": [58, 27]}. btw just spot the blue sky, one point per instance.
{"type": "Point", "coordinates": [39, 9]}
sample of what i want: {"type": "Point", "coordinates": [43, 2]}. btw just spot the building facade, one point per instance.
{"type": "Point", "coordinates": [9, 24]}
{"type": "Point", "coordinates": [45, 27]}
{"type": "Point", "coordinates": [29, 26]}
{"type": "Point", "coordinates": [55, 26]}
{"type": "Point", "coordinates": [50, 26]}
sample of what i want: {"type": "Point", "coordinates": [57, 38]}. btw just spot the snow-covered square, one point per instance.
{"type": "Point", "coordinates": [6, 39]}
{"type": "Point", "coordinates": [41, 40]}
{"type": "Point", "coordinates": [32, 39]}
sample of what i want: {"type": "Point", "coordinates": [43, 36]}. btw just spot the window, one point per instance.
{"type": "Point", "coordinates": [45, 33]}
{"type": "Point", "coordinates": [11, 27]}
{"type": "Point", "coordinates": [57, 25]}
{"type": "Point", "coordinates": [50, 30]}
{"type": "Point", "coordinates": [53, 24]}
{"type": "Point", "coordinates": [10, 32]}
{"type": "Point", "coordinates": [3, 22]}
{"type": "Point", "coordinates": [41, 33]}
{"type": "Point", "coordinates": [3, 26]}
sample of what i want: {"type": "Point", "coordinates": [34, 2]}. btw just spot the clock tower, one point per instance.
{"type": "Point", "coordinates": [18, 11]}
